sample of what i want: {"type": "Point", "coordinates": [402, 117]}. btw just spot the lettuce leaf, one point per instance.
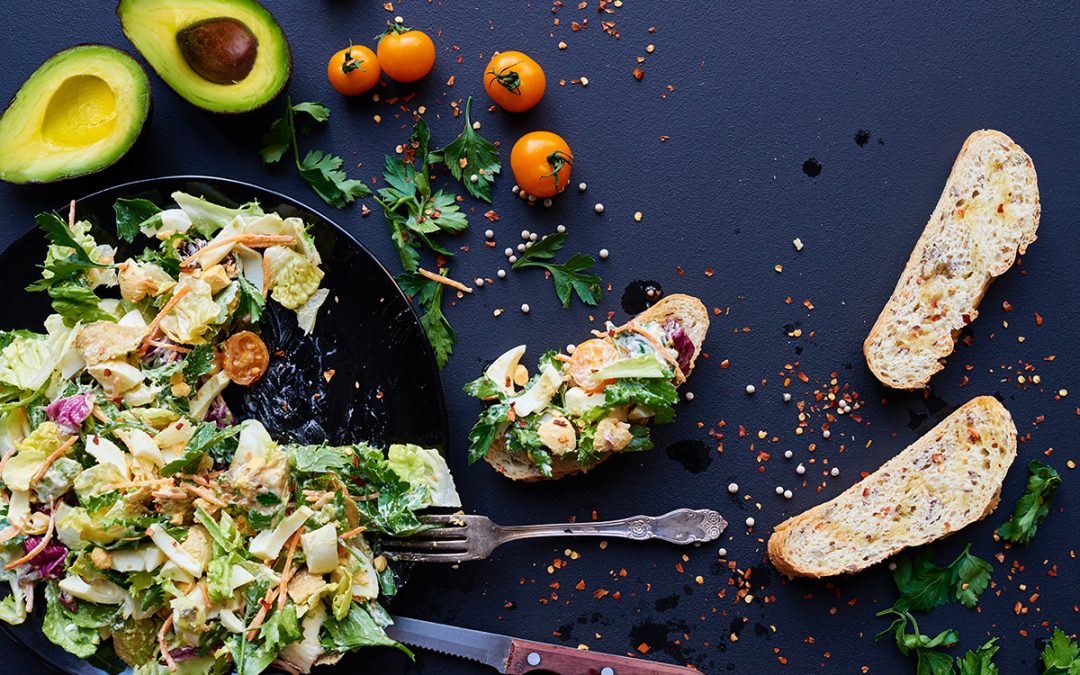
{"type": "Point", "coordinates": [62, 629]}
{"type": "Point", "coordinates": [357, 629]}
{"type": "Point", "coordinates": [424, 467]}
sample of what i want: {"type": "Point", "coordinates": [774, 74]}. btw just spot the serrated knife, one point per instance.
{"type": "Point", "coordinates": [515, 656]}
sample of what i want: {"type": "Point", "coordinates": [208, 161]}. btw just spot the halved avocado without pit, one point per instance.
{"type": "Point", "coordinates": [226, 56]}
{"type": "Point", "coordinates": [78, 113]}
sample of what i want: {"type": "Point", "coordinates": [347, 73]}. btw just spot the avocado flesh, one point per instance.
{"type": "Point", "coordinates": [78, 113]}
{"type": "Point", "coordinates": [152, 26]}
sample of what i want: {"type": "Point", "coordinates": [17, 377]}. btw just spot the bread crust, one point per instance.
{"type": "Point", "coordinates": [693, 316]}
{"type": "Point", "coordinates": [882, 356]}
{"type": "Point", "coordinates": [995, 428]}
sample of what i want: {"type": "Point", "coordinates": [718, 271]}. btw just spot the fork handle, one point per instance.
{"type": "Point", "coordinates": [681, 526]}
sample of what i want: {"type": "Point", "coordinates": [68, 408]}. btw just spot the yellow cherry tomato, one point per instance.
{"type": "Point", "coordinates": [354, 70]}
{"type": "Point", "coordinates": [514, 81]}
{"type": "Point", "coordinates": [589, 357]}
{"type": "Point", "coordinates": [541, 162]}
{"type": "Point", "coordinates": [406, 55]}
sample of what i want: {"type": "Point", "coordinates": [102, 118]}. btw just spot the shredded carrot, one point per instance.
{"type": "Point", "coordinates": [444, 280]}
{"type": "Point", "coordinates": [206, 496]}
{"type": "Point", "coordinates": [287, 571]}
{"type": "Point", "coordinates": [137, 483]}
{"type": "Point", "coordinates": [71, 215]}
{"type": "Point", "coordinates": [41, 545]}
{"type": "Point", "coordinates": [168, 345]}
{"type": "Point", "coordinates": [266, 276]}
{"type": "Point", "coordinates": [562, 357]}
{"type": "Point", "coordinates": [251, 240]}
{"type": "Point", "coordinates": [99, 415]}
{"type": "Point", "coordinates": [7, 455]}
{"type": "Point", "coordinates": [164, 647]}
{"type": "Point", "coordinates": [52, 458]}
{"type": "Point", "coordinates": [152, 329]}
{"type": "Point", "coordinates": [653, 341]}
{"type": "Point", "coordinates": [353, 532]}
{"type": "Point", "coordinates": [264, 607]}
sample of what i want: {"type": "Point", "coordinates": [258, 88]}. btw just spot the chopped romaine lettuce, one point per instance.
{"type": "Point", "coordinates": [427, 468]}
{"type": "Point", "coordinates": [293, 278]}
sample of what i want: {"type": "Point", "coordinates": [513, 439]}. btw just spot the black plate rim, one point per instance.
{"type": "Point", "coordinates": [156, 183]}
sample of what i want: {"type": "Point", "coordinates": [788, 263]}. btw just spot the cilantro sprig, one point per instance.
{"type": "Point", "coordinates": [472, 159]}
{"type": "Point", "coordinates": [321, 170]}
{"type": "Point", "coordinates": [1033, 507]}
{"type": "Point", "coordinates": [570, 277]}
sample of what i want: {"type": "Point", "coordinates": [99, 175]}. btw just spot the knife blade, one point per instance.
{"type": "Point", "coordinates": [515, 656]}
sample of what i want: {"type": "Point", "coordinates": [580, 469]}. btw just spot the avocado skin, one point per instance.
{"type": "Point", "coordinates": [30, 174]}
{"type": "Point", "coordinates": [174, 69]}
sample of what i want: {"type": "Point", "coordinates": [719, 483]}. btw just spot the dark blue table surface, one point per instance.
{"type": "Point", "coordinates": [710, 148]}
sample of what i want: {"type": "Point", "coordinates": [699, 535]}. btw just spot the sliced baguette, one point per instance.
{"type": "Point", "coordinates": [946, 480]}
{"type": "Point", "coordinates": [689, 311]}
{"type": "Point", "coordinates": [987, 214]}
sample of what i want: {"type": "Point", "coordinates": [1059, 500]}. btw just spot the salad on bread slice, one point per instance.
{"type": "Point", "coordinates": [581, 408]}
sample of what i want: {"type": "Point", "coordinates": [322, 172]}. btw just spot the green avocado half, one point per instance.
{"type": "Point", "coordinates": [78, 113]}
{"type": "Point", "coordinates": [226, 56]}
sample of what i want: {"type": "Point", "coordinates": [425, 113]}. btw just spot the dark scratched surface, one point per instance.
{"type": "Point", "coordinates": [833, 123]}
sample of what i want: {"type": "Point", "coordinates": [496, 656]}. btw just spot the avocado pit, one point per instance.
{"type": "Point", "coordinates": [220, 49]}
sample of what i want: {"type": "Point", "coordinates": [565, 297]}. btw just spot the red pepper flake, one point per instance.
{"type": "Point", "coordinates": [328, 374]}
{"type": "Point", "coordinates": [491, 215]}
{"type": "Point", "coordinates": [643, 648]}
{"type": "Point", "coordinates": [639, 74]}
{"type": "Point", "coordinates": [680, 271]}
{"type": "Point", "coordinates": [1006, 305]}
{"type": "Point", "coordinates": [600, 594]}
{"type": "Point", "coordinates": [1038, 319]}
{"type": "Point", "coordinates": [580, 585]}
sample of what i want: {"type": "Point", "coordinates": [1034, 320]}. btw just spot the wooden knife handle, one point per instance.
{"type": "Point", "coordinates": [527, 657]}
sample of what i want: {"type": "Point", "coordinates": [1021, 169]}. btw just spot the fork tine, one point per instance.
{"type": "Point", "coordinates": [410, 556]}
{"type": "Point", "coordinates": [443, 533]}
{"type": "Point", "coordinates": [429, 545]}
{"type": "Point", "coordinates": [443, 519]}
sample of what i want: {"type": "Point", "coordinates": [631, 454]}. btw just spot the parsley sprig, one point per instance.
{"type": "Point", "coordinates": [428, 294]}
{"type": "Point", "coordinates": [924, 586]}
{"type": "Point", "coordinates": [472, 159]}
{"type": "Point", "coordinates": [321, 170]}
{"type": "Point", "coordinates": [570, 277]}
{"type": "Point", "coordinates": [1033, 507]}
{"type": "Point", "coordinates": [1061, 656]}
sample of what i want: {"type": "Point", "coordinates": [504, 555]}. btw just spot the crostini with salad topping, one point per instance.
{"type": "Point", "coordinates": [578, 410]}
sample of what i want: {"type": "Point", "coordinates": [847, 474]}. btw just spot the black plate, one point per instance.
{"type": "Point", "coordinates": [385, 386]}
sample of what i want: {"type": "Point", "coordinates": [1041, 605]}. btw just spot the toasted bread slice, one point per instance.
{"type": "Point", "coordinates": [946, 480]}
{"type": "Point", "coordinates": [987, 214]}
{"type": "Point", "coordinates": [694, 318]}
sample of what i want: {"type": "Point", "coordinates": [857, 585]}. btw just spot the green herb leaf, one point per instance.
{"type": "Point", "coordinates": [569, 277]}
{"type": "Point", "coordinates": [205, 439]}
{"type": "Point", "coordinates": [250, 307]}
{"type": "Point", "coordinates": [317, 458]}
{"type": "Point", "coordinates": [924, 586]}
{"type": "Point", "coordinates": [131, 214]}
{"type": "Point", "coordinates": [929, 661]}
{"type": "Point", "coordinates": [980, 661]}
{"type": "Point", "coordinates": [1060, 655]}
{"type": "Point", "coordinates": [486, 429]}
{"type": "Point", "coordinates": [357, 629]}
{"type": "Point", "coordinates": [198, 362]}
{"type": "Point", "coordinates": [1032, 508]}
{"type": "Point", "coordinates": [62, 269]}
{"type": "Point", "coordinates": [323, 173]}
{"type": "Point", "coordinates": [472, 159]}
{"type": "Point", "coordinates": [428, 294]}
{"type": "Point", "coordinates": [76, 303]}
{"type": "Point", "coordinates": [483, 388]}
{"type": "Point", "coordinates": [61, 628]}
{"type": "Point", "coordinates": [658, 394]}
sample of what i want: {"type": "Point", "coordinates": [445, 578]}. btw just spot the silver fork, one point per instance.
{"type": "Point", "coordinates": [457, 538]}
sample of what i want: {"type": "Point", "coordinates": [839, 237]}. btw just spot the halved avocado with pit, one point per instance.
{"type": "Point", "coordinates": [78, 113]}
{"type": "Point", "coordinates": [227, 56]}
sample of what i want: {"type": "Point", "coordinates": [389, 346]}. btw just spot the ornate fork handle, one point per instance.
{"type": "Point", "coordinates": [681, 526]}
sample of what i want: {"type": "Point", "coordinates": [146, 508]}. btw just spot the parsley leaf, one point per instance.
{"type": "Point", "coordinates": [980, 661]}
{"type": "Point", "coordinates": [317, 458]}
{"type": "Point", "coordinates": [658, 394]}
{"type": "Point", "coordinates": [569, 277]}
{"type": "Point", "coordinates": [924, 586]}
{"type": "Point", "coordinates": [131, 214]}
{"type": "Point", "coordinates": [321, 170]}
{"type": "Point", "coordinates": [208, 437]}
{"type": "Point", "coordinates": [1032, 508]}
{"type": "Point", "coordinates": [67, 268]}
{"type": "Point", "coordinates": [483, 388]}
{"type": "Point", "coordinates": [198, 362]}
{"type": "Point", "coordinates": [428, 294]}
{"type": "Point", "coordinates": [1061, 656]}
{"type": "Point", "coordinates": [250, 307]}
{"type": "Point", "coordinates": [75, 303]}
{"type": "Point", "coordinates": [486, 429]}
{"type": "Point", "coordinates": [472, 159]}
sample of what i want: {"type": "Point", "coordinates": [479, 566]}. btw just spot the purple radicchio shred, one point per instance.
{"type": "Point", "coordinates": [219, 413]}
{"type": "Point", "coordinates": [682, 343]}
{"type": "Point", "coordinates": [70, 412]}
{"type": "Point", "coordinates": [183, 653]}
{"type": "Point", "coordinates": [69, 603]}
{"type": "Point", "coordinates": [50, 562]}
